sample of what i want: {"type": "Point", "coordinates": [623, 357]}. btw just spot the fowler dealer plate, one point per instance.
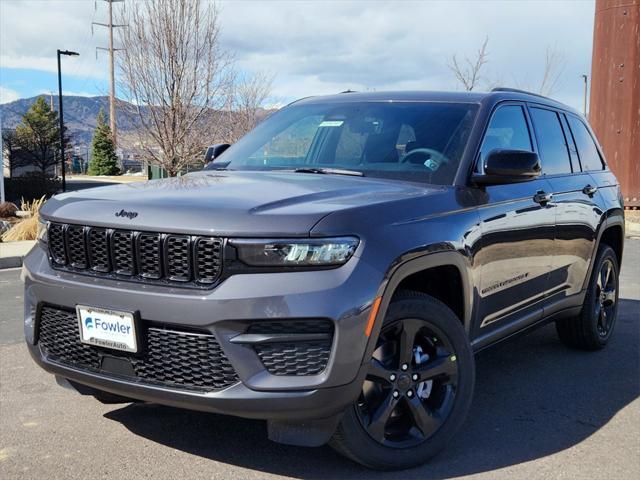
{"type": "Point", "coordinates": [107, 328]}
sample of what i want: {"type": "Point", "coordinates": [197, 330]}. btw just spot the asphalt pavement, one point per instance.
{"type": "Point", "coordinates": [540, 411]}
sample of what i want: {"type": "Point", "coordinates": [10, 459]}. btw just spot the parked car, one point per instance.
{"type": "Point", "coordinates": [335, 271]}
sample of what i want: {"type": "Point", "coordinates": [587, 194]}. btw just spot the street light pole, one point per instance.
{"type": "Point", "coordinates": [62, 157]}
{"type": "Point", "coordinates": [584, 108]}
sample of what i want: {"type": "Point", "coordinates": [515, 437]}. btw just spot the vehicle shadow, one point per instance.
{"type": "Point", "coordinates": [533, 398]}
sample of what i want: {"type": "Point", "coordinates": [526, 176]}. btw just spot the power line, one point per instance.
{"type": "Point", "coordinates": [111, 50]}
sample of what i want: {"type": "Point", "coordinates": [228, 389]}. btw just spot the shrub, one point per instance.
{"type": "Point", "coordinates": [8, 209]}
{"type": "Point", "coordinates": [27, 229]}
{"type": "Point", "coordinates": [31, 186]}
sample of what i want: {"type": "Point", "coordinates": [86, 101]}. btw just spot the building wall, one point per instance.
{"type": "Point", "coordinates": [614, 111]}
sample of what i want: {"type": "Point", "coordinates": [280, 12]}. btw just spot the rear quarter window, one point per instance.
{"type": "Point", "coordinates": [587, 151]}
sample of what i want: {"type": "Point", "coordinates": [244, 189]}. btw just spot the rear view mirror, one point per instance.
{"type": "Point", "coordinates": [214, 152]}
{"type": "Point", "coordinates": [509, 166]}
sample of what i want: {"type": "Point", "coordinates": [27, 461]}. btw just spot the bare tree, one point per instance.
{"type": "Point", "coordinates": [249, 96]}
{"type": "Point", "coordinates": [175, 74]}
{"type": "Point", "coordinates": [467, 72]}
{"type": "Point", "coordinates": [554, 65]}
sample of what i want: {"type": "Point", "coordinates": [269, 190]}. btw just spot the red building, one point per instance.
{"type": "Point", "coordinates": [614, 111]}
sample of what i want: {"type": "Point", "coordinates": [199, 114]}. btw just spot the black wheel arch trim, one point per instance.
{"type": "Point", "coordinates": [612, 218]}
{"type": "Point", "coordinates": [414, 262]}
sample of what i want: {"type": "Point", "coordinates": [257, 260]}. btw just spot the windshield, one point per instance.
{"type": "Point", "coordinates": [412, 141]}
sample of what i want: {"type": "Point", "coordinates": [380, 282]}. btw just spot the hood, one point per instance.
{"type": "Point", "coordinates": [227, 203]}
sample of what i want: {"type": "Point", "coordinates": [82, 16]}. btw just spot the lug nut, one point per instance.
{"type": "Point", "coordinates": [396, 394]}
{"type": "Point", "coordinates": [405, 366]}
{"type": "Point", "coordinates": [410, 393]}
{"type": "Point", "coordinates": [414, 377]}
{"type": "Point", "coordinates": [392, 377]}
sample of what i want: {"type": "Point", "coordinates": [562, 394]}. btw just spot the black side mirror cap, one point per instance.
{"type": "Point", "coordinates": [214, 151]}
{"type": "Point", "coordinates": [509, 166]}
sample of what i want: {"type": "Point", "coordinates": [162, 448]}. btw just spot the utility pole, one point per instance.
{"type": "Point", "coordinates": [112, 81]}
{"type": "Point", "coordinates": [584, 105]}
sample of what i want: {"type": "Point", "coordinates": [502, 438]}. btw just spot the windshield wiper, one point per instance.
{"type": "Point", "coordinates": [329, 171]}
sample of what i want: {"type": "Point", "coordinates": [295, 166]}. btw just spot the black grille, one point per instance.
{"type": "Point", "coordinates": [299, 358]}
{"type": "Point", "coordinates": [77, 246]}
{"type": "Point", "coordinates": [295, 358]}
{"type": "Point", "coordinates": [208, 259]}
{"type": "Point", "coordinates": [149, 255]}
{"type": "Point", "coordinates": [178, 258]}
{"type": "Point", "coordinates": [141, 256]}
{"type": "Point", "coordinates": [171, 358]}
{"type": "Point", "coordinates": [99, 250]}
{"type": "Point", "coordinates": [291, 326]}
{"type": "Point", "coordinates": [56, 243]}
{"type": "Point", "coordinates": [123, 253]}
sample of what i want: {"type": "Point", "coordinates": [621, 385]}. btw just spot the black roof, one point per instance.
{"type": "Point", "coordinates": [496, 95]}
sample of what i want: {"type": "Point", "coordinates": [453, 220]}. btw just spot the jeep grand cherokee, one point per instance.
{"type": "Point", "coordinates": [335, 270]}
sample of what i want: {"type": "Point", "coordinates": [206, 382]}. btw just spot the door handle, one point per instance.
{"type": "Point", "coordinates": [589, 190]}
{"type": "Point", "coordinates": [542, 197]}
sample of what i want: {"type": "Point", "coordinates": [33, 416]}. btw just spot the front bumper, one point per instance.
{"type": "Point", "coordinates": [342, 296]}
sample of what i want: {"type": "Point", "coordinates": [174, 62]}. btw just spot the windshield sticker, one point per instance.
{"type": "Point", "coordinates": [331, 123]}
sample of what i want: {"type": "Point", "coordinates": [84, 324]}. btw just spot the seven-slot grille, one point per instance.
{"type": "Point", "coordinates": [141, 256]}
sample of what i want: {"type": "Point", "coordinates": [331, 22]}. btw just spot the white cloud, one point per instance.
{"type": "Point", "coordinates": [32, 31]}
{"type": "Point", "coordinates": [7, 95]}
{"type": "Point", "coordinates": [325, 47]}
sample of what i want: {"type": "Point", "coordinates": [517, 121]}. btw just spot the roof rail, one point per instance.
{"type": "Point", "coordinates": [517, 90]}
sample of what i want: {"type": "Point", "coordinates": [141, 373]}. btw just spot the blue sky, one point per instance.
{"type": "Point", "coordinates": [27, 82]}
{"type": "Point", "coordinates": [320, 47]}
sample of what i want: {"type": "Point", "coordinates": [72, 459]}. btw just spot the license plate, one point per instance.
{"type": "Point", "coordinates": [107, 328]}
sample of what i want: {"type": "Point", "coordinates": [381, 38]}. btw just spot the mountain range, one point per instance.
{"type": "Point", "coordinates": [80, 114]}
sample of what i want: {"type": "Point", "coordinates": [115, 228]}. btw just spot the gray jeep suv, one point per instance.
{"type": "Point", "coordinates": [335, 270]}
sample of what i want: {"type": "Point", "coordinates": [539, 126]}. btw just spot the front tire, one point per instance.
{"type": "Point", "coordinates": [418, 388]}
{"type": "Point", "coordinates": [592, 328]}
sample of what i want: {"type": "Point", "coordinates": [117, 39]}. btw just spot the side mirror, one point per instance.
{"type": "Point", "coordinates": [215, 151]}
{"type": "Point", "coordinates": [509, 166]}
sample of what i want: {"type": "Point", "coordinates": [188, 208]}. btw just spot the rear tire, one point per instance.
{"type": "Point", "coordinates": [434, 389]}
{"type": "Point", "coordinates": [593, 327]}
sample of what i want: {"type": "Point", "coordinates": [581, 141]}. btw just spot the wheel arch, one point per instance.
{"type": "Point", "coordinates": [404, 271]}
{"type": "Point", "coordinates": [611, 232]}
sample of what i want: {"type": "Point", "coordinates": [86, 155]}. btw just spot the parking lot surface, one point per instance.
{"type": "Point", "coordinates": [540, 411]}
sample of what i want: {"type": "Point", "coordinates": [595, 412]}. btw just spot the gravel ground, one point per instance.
{"type": "Point", "coordinates": [540, 411]}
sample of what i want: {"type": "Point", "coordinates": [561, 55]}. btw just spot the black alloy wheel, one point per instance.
{"type": "Point", "coordinates": [606, 297]}
{"type": "Point", "coordinates": [411, 384]}
{"type": "Point", "coordinates": [417, 387]}
{"type": "Point", "coordinates": [592, 328]}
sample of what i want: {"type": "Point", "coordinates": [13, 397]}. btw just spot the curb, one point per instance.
{"type": "Point", "coordinates": [10, 262]}
{"type": "Point", "coordinates": [12, 253]}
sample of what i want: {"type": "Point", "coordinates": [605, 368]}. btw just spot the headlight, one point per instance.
{"type": "Point", "coordinates": [296, 253]}
{"type": "Point", "coordinates": [42, 231]}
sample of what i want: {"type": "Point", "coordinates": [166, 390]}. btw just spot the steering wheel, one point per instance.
{"type": "Point", "coordinates": [433, 161]}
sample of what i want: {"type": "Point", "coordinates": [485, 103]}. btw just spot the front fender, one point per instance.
{"type": "Point", "coordinates": [417, 261]}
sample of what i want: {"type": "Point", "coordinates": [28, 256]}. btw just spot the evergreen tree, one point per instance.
{"type": "Point", "coordinates": [39, 135]}
{"type": "Point", "coordinates": [103, 156]}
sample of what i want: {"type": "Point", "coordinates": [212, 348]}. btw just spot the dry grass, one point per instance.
{"type": "Point", "coordinates": [27, 229]}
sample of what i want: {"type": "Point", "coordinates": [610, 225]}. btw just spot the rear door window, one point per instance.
{"type": "Point", "coordinates": [587, 150]}
{"type": "Point", "coordinates": [507, 130]}
{"type": "Point", "coordinates": [552, 144]}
